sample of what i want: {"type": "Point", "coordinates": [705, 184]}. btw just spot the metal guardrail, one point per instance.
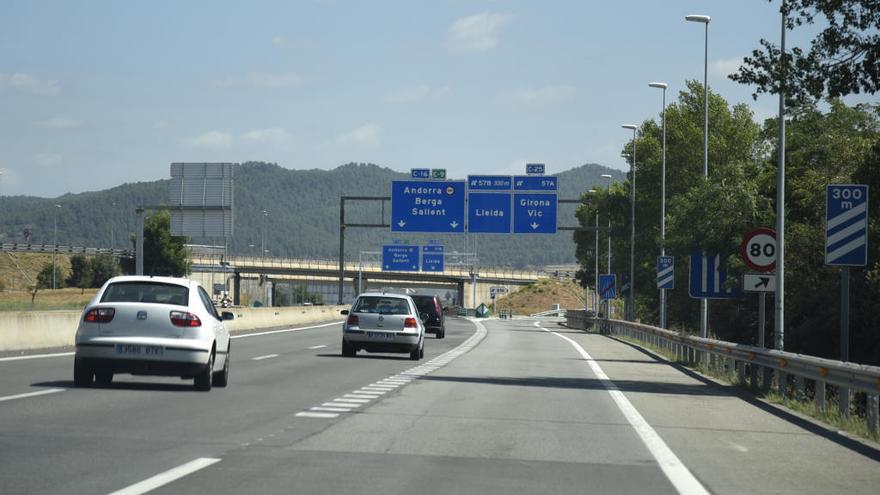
{"type": "Point", "coordinates": [17, 247]}
{"type": "Point", "coordinates": [551, 312]}
{"type": "Point", "coordinates": [756, 366]}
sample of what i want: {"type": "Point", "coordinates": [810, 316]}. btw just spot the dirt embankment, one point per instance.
{"type": "Point", "coordinates": [542, 295]}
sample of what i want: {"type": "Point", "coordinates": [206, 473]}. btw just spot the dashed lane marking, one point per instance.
{"type": "Point", "coordinates": [163, 479]}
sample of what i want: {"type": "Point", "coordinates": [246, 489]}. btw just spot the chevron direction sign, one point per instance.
{"type": "Point", "coordinates": [846, 225]}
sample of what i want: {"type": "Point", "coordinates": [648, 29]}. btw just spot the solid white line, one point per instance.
{"type": "Point", "coordinates": [307, 414]}
{"type": "Point", "coordinates": [36, 356]}
{"type": "Point", "coordinates": [31, 394]}
{"type": "Point", "coordinates": [267, 356]}
{"type": "Point", "coordinates": [162, 479]}
{"type": "Point", "coordinates": [286, 330]}
{"type": "Point", "coordinates": [312, 348]}
{"type": "Point", "coordinates": [677, 473]}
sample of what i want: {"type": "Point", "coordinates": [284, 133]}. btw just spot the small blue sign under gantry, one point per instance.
{"type": "Point", "coordinates": [400, 258]}
{"type": "Point", "coordinates": [607, 286]}
{"type": "Point", "coordinates": [432, 258]}
{"type": "Point", "coordinates": [665, 272]}
{"type": "Point", "coordinates": [427, 206]}
{"type": "Point", "coordinates": [846, 225]}
{"type": "Point", "coordinates": [489, 213]}
{"type": "Point", "coordinates": [535, 168]}
{"type": "Point", "coordinates": [535, 183]}
{"type": "Point", "coordinates": [489, 183]}
{"type": "Point", "coordinates": [708, 277]}
{"type": "Point", "coordinates": [534, 213]}
{"type": "Point", "coordinates": [420, 173]}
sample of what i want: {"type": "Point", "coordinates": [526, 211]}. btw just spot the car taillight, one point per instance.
{"type": "Point", "coordinates": [410, 323]}
{"type": "Point", "coordinates": [100, 315]}
{"type": "Point", "coordinates": [184, 319]}
{"type": "Point", "coordinates": [437, 307]}
{"type": "Point", "coordinates": [352, 321]}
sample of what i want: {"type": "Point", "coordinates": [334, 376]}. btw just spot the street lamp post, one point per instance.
{"type": "Point", "coordinates": [596, 254]}
{"type": "Point", "coordinates": [54, 243]}
{"type": "Point", "coordinates": [662, 86]}
{"type": "Point", "coordinates": [704, 19]}
{"type": "Point", "coordinates": [632, 235]}
{"type": "Point", "coordinates": [607, 303]}
{"type": "Point", "coordinates": [265, 227]}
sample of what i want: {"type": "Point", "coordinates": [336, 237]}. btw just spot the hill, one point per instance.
{"type": "Point", "coordinates": [302, 218]}
{"type": "Point", "coordinates": [542, 295]}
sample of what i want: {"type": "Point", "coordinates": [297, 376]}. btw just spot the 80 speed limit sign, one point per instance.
{"type": "Point", "coordinates": [758, 249]}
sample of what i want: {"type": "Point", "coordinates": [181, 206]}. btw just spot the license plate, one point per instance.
{"type": "Point", "coordinates": [380, 335]}
{"type": "Point", "coordinates": [139, 350]}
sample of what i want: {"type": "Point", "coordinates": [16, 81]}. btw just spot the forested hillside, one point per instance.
{"type": "Point", "coordinates": [302, 218]}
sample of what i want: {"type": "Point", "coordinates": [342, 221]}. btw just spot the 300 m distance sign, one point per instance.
{"type": "Point", "coordinates": [758, 249]}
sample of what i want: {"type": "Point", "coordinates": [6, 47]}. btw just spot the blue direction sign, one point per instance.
{"type": "Point", "coordinates": [400, 258]}
{"type": "Point", "coordinates": [534, 213]}
{"type": "Point", "coordinates": [427, 206]}
{"type": "Point", "coordinates": [489, 213]}
{"type": "Point", "coordinates": [420, 173]}
{"type": "Point", "coordinates": [607, 286]}
{"type": "Point", "coordinates": [665, 272]}
{"type": "Point", "coordinates": [535, 168]}
{"type": "Point", "coordinates": [432, 258]}
{"type": "Point", "coordinates": [535, 183]}
{"type": "Point", "coordinates": [846, 225]}
{"type": "Point", "coordinates": [490, 182]}
{"type": "Point", "coordinates": [707, 278]}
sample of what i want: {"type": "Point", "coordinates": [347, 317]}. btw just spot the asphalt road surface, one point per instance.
{"type": "Point", "coordinates": [498, 407]}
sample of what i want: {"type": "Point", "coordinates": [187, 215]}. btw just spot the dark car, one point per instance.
{"type": "Point", "coordinates": [430, 305]}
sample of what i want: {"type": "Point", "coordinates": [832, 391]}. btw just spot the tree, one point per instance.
{"type": "Point", "coordinates": [104, 267]}
{"type": "Point", "coordinates": [44, 278]}
{"type": "Point", "coordinates": [844, 58]}
{"type": "Point", "coordinates": [81, 272]}
{"type": "Point", "coordinates": [164, 254]}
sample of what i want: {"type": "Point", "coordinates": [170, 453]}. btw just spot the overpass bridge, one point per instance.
{"type": "Point", "coordinates": [471, 286]}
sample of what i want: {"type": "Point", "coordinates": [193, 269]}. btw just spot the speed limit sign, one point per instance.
{"type": "Point", "coordinates": [758, 249]}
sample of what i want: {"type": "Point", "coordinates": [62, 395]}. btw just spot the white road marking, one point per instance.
{"type": "Point", "coordinates": [370, 390]}
{"type": "Point", "coordinates": [31, 394]}
{"type": "Point", "coordinates": [286, 330]}
{"type": "Point", "coordinates": [353, 401]}
{"type": "Point", "coordinates": [36, 356]}
{"type": "Point", "coordinates": [332, 409]}
{"type": "Point", "coordinates": [312, 348]}
{"type": "Point", "coordinates": [333, 403]}
{"type": "Point", "coordinates": [267, 356]}
{"type": "Point", "coordinates": [678, 474]}
{"type": "Point", "coordinates": [326, 415]}
{"type": "Point", "coordinates": [162, 479]}
{"type": "Point", "coordinates": [362, 396]}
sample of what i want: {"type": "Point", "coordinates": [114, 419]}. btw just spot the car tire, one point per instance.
{"type": "Point", "coordinates": [203, 380]}
{"type": "Point", "coordinates": [348, 350]}
{"type": "Point", "coordinates": [221, 378]}
{"type": "Point", "coordinates": [82, 376]}
{"type": "Point", "coordinates": [103, 379]}
{"type": "Point", "coordinates": [441, 334]}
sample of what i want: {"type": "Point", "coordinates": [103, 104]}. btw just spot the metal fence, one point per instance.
{"type": "Point", "coordinates": [792, 375]}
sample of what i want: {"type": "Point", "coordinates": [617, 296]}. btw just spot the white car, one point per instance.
{"type": "Point", "coordinates": [159, 326]}
{"type": "Point", "coordinates": [379, 322]}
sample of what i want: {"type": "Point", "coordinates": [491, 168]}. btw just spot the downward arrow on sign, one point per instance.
{"type": "Point", "coordinates": [454, 224]}
{"type": "Point", "coordinates": [535, 225]}
{"type": "Point", "coordinates": [401, 223]}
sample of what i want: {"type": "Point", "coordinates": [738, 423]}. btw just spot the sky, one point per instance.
{"type": "Point", "coordinates": [100, 93]}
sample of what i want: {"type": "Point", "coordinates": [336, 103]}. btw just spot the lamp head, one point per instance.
{"type": "Point", "coordinates": [606, 176]}
{"type": "Point", "coordinates": [631, 127]}
{"type": "Point", "coordinates": [661, 85]}
{"type": "Point", "coordinates": [698, 18]}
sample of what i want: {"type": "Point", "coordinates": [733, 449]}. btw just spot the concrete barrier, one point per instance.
{"type": "Point", "coordinates": [24, 330]}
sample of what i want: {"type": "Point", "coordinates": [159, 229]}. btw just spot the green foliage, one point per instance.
{"type": "Point", "coordinates": [44, 278]}
{"type": "Point", "coordinates": [164, 254]}
{"type": "Point", "coordinates": [81, 272]}
{"type": "Point", "coordinates": [293, 295]}
{"type": "Point", "coordinates": [104, 267]}
{"type": "Point", "coordinates": [844, 58]}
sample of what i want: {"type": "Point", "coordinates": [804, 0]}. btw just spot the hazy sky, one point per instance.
{"type": "Point", "coordinates": [94, 94]}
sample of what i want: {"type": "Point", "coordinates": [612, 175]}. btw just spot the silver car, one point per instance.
{"type": "Point", "coordinates": [379, 322]}
{"type": "Point", "coordinates": [152, 326]}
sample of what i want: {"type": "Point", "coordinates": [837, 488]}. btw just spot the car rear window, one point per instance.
{"type": "Point", "coordinates": [425, 304]}
{"type": "Point", "coordinates": [148, 292]}
{"type": "Point", "coordinates": [382, 305]}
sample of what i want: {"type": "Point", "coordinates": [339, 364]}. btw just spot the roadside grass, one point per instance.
{"type": "Point", "coordinates": [45, 300]}
{"type": "Point", "coordinates": [855, 424]}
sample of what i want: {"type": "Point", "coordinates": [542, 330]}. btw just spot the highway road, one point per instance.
{"type": "Point", "coordinates": [498, 407]}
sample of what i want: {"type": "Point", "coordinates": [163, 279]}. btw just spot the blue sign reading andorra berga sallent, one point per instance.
{"type": "Point", "coordinates": [400, 258]}
{"type": "Point", "coordinates": [427, 206]}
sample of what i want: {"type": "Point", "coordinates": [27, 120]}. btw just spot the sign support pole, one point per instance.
{"type": "Point", "coordinates": [843, 397]}
{"type": "Point", "coordinates": [762, 318]}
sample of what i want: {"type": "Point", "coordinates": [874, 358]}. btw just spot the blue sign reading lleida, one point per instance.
{"type": "Point", "coordinates": [427, 206]}
{"type": "Point", "coordinates": [432, 258]}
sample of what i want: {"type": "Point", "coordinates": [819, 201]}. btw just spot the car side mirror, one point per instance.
{"type": "Point", "coordinates": [344, 312]}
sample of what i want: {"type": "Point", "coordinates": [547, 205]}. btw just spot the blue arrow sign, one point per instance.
{"type": "Point", "coordinates": [400, 258]}
{"type": "Point", "coordinates": [534, 213]}
{"type": "Point", "coordinates": [846, 225]}
{"type": "Point", "coordinates": [427, 206]}
{"type": "Point", "coordinates": [432, 258]}
{"type": "Point", "coordinates": [607, 286]}
{"type": "Point", "coordinates": [490, 182]}
{"type": "Point", "coordinates": [489, 213]}
{"type": "Point", "coordinates": [707, 278]}
{"type": "Point", "coordinates": [535, 183]}
{"type": "Point", "coordinates": [665, 272]}
{"type": "Point", "coordinates": [535, 168]}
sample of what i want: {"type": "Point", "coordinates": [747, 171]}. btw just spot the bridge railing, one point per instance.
{"type": "Point", "coordinates": [19, 247]}
{"type": "Point", "coordinates": [803, 377]}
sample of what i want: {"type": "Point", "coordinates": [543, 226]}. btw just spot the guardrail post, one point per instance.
{"type": "Point", "coordinates": [820, 395]}
{"type": "Point", "coordinates": [843, 401]}
{"type": "Point", "coordinates": [799, 387]}
{"type": "Point", "coordinates": [768, 378]}
{"type": "Point", "coordinates": [873, 406]}
{"type": "Point", "coordinates": [753, 375]}
{"type": "Point", "coordinates": [740, 371]}
{"type": "Point", "coordinates": [782, 382]}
